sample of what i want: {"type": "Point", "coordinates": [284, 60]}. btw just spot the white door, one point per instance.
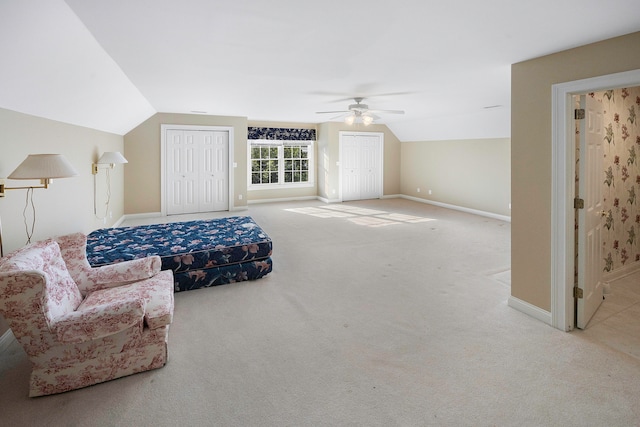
{"type": "Point", "coordinates": [369, 167]}
{"type": "Point", "coordinates": [361, 165]}
{"type": "Point", "coordinates": [590, 219]}
{"type": "Point", "coordinates": [350, 169]}
{"type": "Point", "coordinates": [196, 171]}
{"type": "Point", "coordinates": [214, 195]}
{"type": "Point", "coordinates": [182, 173]}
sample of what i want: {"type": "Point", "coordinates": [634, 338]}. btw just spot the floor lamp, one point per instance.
{"type": "Point", "coordinates": [44, 167]}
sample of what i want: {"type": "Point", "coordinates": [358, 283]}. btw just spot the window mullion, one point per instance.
{"type": "Point", "coordinates": [280, 164]}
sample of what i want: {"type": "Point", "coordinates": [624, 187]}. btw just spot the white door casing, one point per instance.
{"type": "Point", "coordinates": [590, 218]}
{"type": "Point", "coordinates": [563, 190]}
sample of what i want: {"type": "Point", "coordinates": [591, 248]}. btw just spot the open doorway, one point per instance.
{"type": "Point", "coordinates": [607, 170]}
{"type": "Point", "coordinates": [563, 178]}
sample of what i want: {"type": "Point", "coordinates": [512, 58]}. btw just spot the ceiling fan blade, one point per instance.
{"type": "Point", "coordinates": [339, 116]}
{"type": "Point", "coordinates": [387, 111]}
{"type": "Point", "coordinates": [332, 112]}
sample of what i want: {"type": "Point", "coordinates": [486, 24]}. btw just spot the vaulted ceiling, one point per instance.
{"type": "Point", "coordinates": [110, 65]}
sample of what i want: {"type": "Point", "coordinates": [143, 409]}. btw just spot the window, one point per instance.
{"type": "Point", "coordinates": [280, 163]}
{"type": "Point", "coordinates": [264, 164]}
{"type": "Point", "coordinates": [296, 163]}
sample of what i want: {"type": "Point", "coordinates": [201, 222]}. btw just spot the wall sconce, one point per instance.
{"type": "Point", "coordinates": [110, 158]}
{"type": "Point", "coordinates": [44, 167]}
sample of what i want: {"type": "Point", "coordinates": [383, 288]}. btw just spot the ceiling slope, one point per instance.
{"type": "Point", "coordinates": [444, 63]}
{"type": "Point", "coordinates": [54, 68]}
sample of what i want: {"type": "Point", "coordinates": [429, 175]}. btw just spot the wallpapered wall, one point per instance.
{"type": "Point", "coordinates": [621, 177]}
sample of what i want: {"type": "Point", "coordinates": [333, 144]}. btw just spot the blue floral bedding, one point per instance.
{"type": "Point", "coordinates": [201, 253]}
{"type": "Point", "coordinates": [196, 279]}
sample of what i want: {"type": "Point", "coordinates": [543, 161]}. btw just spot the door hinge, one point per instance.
{"type": "Point", "coordinates": [577, 292]}
{"type": "Point", "coordinates": [578, 113]}
{"type": "Point", "coordinates": [578, 203]}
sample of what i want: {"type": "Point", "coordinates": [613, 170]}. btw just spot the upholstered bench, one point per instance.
{"type": "Point", "coordinates": [200, 253]}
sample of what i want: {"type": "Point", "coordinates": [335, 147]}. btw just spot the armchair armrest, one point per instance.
{"type": "Point", "coordinates": [98, 321]}
{"type": "Point", "coordinates": [73, 250]}
{"type": "Point", "coordinates": [108, 276]}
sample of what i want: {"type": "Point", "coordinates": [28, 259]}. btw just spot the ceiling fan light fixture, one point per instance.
{"type": "Point", "coordinates": [360, 113]}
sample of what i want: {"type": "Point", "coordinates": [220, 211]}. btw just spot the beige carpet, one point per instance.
{"type": "Point", "coordinates": [377, 313]}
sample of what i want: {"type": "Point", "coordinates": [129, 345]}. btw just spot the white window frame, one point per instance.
{"type": "Point", "coordinates": [281, 184]}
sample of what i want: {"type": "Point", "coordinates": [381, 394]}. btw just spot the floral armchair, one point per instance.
{"type": "Point", "coordinates": [80, 325]}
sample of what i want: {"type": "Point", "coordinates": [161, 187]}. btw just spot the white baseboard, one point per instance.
{"type": "Point", "coordinates": [140, 216]}
{"type": "Point", "coordinates": [459, 208]}
{"type": "Point", "coordinates": [6, 340]}
{"type": "Point", "coordinates": [118, 222]}
{"type": "Point", "coordinates": [530, 309]}
{"type": "Point", "coordinates": [325, 200]}
{"type": "Point", "coordinates": [284, 199]}
{"type": "Point", "coordinates": [619, 273]}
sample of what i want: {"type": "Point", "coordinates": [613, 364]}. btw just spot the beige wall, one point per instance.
{"type": "Point", "coordinates": [67, 205]}
{"type": "Point", "coordinates": [474, 174]}
{"type": "Point", "coordinates": [327, 178]}
{"type": "Point", "coordinates": [531, 195]}
{"type": "Point", "coordinates": [142, 150]}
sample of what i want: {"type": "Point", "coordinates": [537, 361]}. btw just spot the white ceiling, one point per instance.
{"type": "Point", "coordinates": [109, 65]}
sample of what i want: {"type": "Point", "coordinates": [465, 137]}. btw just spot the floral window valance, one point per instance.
{"type": "Point", "coordinates": [281, 134]}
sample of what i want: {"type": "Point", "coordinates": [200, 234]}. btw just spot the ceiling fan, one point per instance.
{"type": "Point", "coordinates": [360, 112]}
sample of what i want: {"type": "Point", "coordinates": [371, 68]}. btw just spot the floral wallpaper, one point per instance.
{"type": "Point", "coordinates": [620, 177]}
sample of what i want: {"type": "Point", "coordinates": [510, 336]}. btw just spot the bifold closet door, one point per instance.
{"type": "Point", "coordinates": [361, 162]}
{"type": "Point", "coordinates": [214, 192]}
{"type": "Point", "coordinates": [181, 172]}
{"type": "Point", "coordinates": [370, 166]}
{"type": "Point", "coordinates": [350, 162]}
{"type": "Point", "coordinates": [197, 171]}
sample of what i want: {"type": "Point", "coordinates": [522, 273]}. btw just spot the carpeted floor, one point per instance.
{"type": "Point", "coordinates": [377, 313]}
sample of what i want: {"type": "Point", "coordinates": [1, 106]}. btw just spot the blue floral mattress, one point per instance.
{"type": "Point", "coordinates": [201, 253]}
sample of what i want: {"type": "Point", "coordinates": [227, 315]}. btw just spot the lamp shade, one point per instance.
{"type": "Point", "coordinates": [43, 166]}
{"type": "Point", "coordinates": [112, 157]}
